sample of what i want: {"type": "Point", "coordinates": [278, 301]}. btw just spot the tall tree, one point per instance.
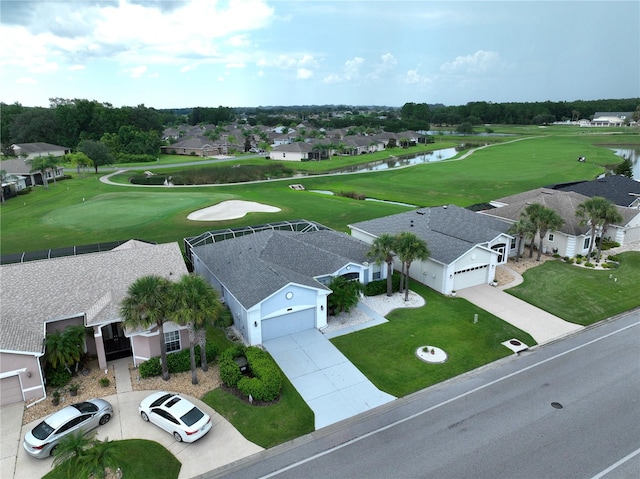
{"type": "Point", "coordinates": [610, 215]}
{"type": "Point", "coordinates": [521, 229]}
{"type": "Point", "coordinates": [530, 215]}
{"type": "Point", "coordinates": [196, 305]}
{"type": "Point", "coordinates": [382, 250]}
{"type": "Point", "coordinates": [145, 305]}
{"type": "Point", "coordinates": [590, 213]}
{"type": "Point", "coordinates": [410, 248]}
{"type": "Point", "coordinates": [44, 164]}
{"type": "Point", "coordinates": [548, 220]}
{"type": "Point", "coordinates": [98, 153]}
{"type": "Point", "coordinates": [64, 348]}
{"type": "Point", "coordinates": [625, 168]}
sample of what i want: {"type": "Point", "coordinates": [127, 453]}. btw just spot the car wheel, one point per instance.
{"type": "Point", "coordinates": [177, 436]}
{"type": "Point", "coordinates": [53, 450]}
{"type": "Point", "coordinates": [144, 416]}
{"type": "Point", "coordinates": [105, 419]}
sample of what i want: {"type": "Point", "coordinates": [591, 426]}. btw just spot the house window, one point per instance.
{"type": "Point", "coordinates": [513, 243]}
{"type": "Point", "coordinates": [172, 341]}
{"type": "Point", "coordinates": [550, 236]}
{"type": "Point", "coordinates": [376, 275]}
{"type": "Point", "coordinates": [587, 242]}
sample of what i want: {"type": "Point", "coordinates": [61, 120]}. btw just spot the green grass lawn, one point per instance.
{"type": "Point", "coordinates": [141, 459]}
{"type": "Point", "coordinates": [266, 426]}
{"type": "Point", "coordinates": [582, 295]}
{"type": "Point", "coordinates": [386, 353]}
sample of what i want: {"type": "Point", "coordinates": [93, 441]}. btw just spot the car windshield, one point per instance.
{"type": "Point", "coordinates": [42, 431]}
{"type": "Point", "coordinates": [192, 416]}
{"type": "Point", "coordinates": [85, 407]}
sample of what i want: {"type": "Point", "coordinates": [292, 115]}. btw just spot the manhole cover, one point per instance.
{"type": "Point", "coordinates": [515, 342]}
{"type": "Point", "coordinates": [556, 405]}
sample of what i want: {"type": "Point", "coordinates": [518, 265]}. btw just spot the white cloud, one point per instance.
{"type": "Point", "coordinates": [26, 81]}
{"type": "Point", "coordinates": [480, 62]}
{"type": "Point", "coordinates": [136, 72]}
{"type": "Point", "coordinates": [76, 68]}
{"type": "Point", "coordinates": [304, 74]}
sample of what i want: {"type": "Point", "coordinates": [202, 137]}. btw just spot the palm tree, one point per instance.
{"type": "Point", "coordinates": [344, 295]}
{"type": "Point", "coordinates": [548, 220]}
{"type": "Point", "coordinates": [196, 305]}
{"type": "Point", "coordinates": [610, 215]}
{"type": "Point", "coordinates": [590, 212]}
{"type": "Point", "coordinates": [69, 450]}
{"type": "Point", "coordinates": [64, 348]}
{"type": "Point", "coordinates": [78, 455]}
{"type": "Point", "coordinates": [43, 164]}
{"type": "Point", "coordinates": [95, 460]}
{"type": "Point", "coordinates": [530, 215]}
{"type": "Point", "coordinates": [145, 305]}
{"type": "Point", "coordinates": [521, 230]}
{"type": "Point", "coordinates": [382, 250]}
{"type": "Point", "coordinates": [410, 248]}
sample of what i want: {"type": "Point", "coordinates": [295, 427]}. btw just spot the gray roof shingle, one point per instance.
{"type": "Point", "coordinates": [449, 231]}
{"type": "Point", "coordinates": [254, 266]}
{"type": "Point", "coordinates": [93, 284]}
{"type": "Point", "coordinates": [618, 189]}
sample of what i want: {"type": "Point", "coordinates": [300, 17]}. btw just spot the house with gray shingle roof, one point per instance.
{"type": "Point", "coordinates": [465, 247]}
{"type": "Point", "coordinates": [43, 296]}
{"type": "Point", "coordinates": [572, 238]}
{"type": "Point", "coordinates": [275, 282]}
{"type": "Point", "coordinates": [618, 189]}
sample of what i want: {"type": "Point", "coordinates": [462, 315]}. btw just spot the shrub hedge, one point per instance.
{"type": "Point", "coordinates": [374, 288]}
{"type": "Point", "coordinates": [266, 383]}
{"type": "Point", "coordinates": [177, 362]}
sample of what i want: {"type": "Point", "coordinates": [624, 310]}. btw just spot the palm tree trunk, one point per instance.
{"type": "Point", "coordinates": [406, 284]}
{"type": "Point", "coordinates": [163, 352]}
{"type": "Point", "coordinates": [593, 240]}
{"type": "Point", "coordinates": [543, 233]}
{"type": "Point", "coordinates": [202, 339]}
{"type": "Point", "coordinates": [389, 280]}
{"type": "Point", "coordinates": [192, 354]}
{"type": "Point", "coordinates": [402, 278]}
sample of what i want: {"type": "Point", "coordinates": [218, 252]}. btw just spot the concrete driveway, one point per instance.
{"type": "Point", "coordinates": [222, 445]}
{"type": "Point", "coordinates": [329, 383]}
{"type": "Point", "coordinates": [542, 326]}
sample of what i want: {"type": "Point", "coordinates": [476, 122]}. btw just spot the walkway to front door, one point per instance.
{"type": "Point", "coordinates": [332, 387]}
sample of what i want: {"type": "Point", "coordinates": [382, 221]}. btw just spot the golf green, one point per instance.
{"type": "Point", "coordinates": [123, 210]}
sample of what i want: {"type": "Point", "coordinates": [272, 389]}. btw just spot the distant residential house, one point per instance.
{"type": "Point", "coordinates": [40, 297]}
{"type": "Point", "coordinates": [199, 146]}
{"type": "Point", "coordinates": [298, 151]}
{"type": "Point", "coordinates": [276, 282]}
{"type": "Point", "coordinates": [29, 151]}
{"type": "Point", "coordinates": [465, 247]}
{"type": "Point", "coordinates": [602, 118]}
{"type": "Point", "coordinates": [618, 189]}
{"type": "Point", "coordinates": [18, 167]}
{"type": "Point", "coordinates": [12, 184]}
{"type": "Point", "coordinates": [282, 139]}
{"type": "Point", "coordinates": [572, 238]}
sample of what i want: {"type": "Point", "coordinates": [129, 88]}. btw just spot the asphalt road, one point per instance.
{"type": "Point", "coordinates": [496, 422]}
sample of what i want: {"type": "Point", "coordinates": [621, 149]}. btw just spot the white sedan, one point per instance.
{"type": "Point", "coordinates": [175, 415]}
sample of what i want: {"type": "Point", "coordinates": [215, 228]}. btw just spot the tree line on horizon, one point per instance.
{"type": "Point", "coordinates": [68, 122]}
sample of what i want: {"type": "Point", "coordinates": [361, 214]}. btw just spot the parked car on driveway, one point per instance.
{"type": "Point", "coordinates": [43, 439]}
{"type": "Point", "coordinates": [176, 415]}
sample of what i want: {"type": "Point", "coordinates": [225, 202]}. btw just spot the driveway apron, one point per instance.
{"type": "Point", "coordinates": [542, 326]}
{"type": "Point", "coordinates": [333, 388]}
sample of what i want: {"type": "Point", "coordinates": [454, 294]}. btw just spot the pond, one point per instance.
{"type": "Point", "coordinates": [395, 162]}
{"type": "Point", "coordinates": [632, 154]}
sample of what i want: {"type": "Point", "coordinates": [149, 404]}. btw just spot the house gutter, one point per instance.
{"type": "Point", "coordinates": [44, 389]}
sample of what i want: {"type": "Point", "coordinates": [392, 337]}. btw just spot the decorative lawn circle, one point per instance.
{"type": "Point", "coordinates": [431, 354]}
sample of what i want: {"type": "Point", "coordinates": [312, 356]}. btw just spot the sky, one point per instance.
{"type": "Point", "coordinates": [249, 53]}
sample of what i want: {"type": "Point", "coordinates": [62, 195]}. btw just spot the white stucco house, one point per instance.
{"type": "Point", "coordinates": [47, 295]}
{"type": "Point", "coordinates": [572, 238]}
{"type": "Point", "coordinates": [275, 282]}
{"type": "Point", "coordinates": [465, 247]}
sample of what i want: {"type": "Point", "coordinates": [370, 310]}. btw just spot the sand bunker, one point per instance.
{"type": "Point", "coordinates": [230, 210]}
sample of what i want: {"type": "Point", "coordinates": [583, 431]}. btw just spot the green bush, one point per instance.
{"type": "Point", "coordinates": [589, 264]}
{"type": "Point", "coordinates": [613, 257]}
{"type": "Point", "coordinates": [150, 368]}
{"type": "Point", "coordinates": [25, 191]}
{"type": "Point", "coordinates": [374, 288]}
{"type": "Point", "coordinates": [230, 372]}
{"type": "Point", "coordinates": [267, 381]}
{"type": "Point", "coordinates": [177, 362]}
{"type": "Point", "coordinates": [226, 318]}
{"type": "Point", "coordinates": [131, 158]}
{"type": "Point", "coordinates": [57, 378]}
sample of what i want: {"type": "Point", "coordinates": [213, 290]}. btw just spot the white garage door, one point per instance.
{"type": "Point", "coordinates": [470, 277]}
{"type": "Point", "coordinates": [288, 324]}
{"type": "Point", "coordinates": [10, 390]}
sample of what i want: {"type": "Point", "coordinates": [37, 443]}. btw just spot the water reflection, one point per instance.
{"type": "Point", "coordinates": [394, 162]}
{"type": "Point", "coordinates": [632, 154]}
